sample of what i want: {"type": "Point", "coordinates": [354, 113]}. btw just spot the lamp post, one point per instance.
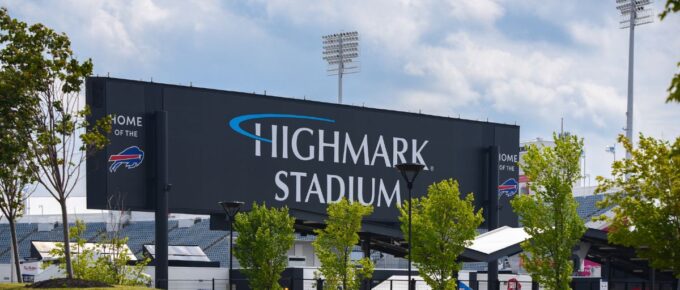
{"type": "Point", "coordinates": [231, 208]}
{"type": "Point", "coordinates": [409, 171]}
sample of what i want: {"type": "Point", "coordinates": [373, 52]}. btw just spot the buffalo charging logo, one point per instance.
{"type": "Point", "coordinates": [131, 157]}
{"type": "Point", "coordinates": [305, 143]}
{"type": "Point", "coordinates": [508, 188]}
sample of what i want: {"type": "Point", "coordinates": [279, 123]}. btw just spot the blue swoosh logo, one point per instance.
{"type": "Point", "coordinates": [235, 123]}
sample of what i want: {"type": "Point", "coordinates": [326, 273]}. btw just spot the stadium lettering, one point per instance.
{"type": "Point", "coordinates": [504, 157]}
{"type": "Point", "coordinates": [304, 187]}
{"type": "Point", "coordinates": [124, 120]}
{"type": "Point", "coordinates": [306, 144]}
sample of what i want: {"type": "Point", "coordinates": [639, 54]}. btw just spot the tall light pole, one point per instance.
{"type": "Point", "coordinates": [612, 150]}
{"type": "Point", "coordinates": [634, 13]}
{"type": "Point", "coordinates": [341, 51]}
{"type": "Point", "coordinates": [231, 208]}
{"type": "Point", "coordinates": [409, 171]}
{"type": "Point", "coordinates": [583, 154]}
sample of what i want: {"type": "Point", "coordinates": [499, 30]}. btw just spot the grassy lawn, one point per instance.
{"type": "Point", "coordinates": [15, 286]}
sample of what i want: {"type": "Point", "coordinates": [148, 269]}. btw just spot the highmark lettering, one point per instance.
{"type": "Point", "coordinates": [287, 144]}
{"type": "Point", "coordinates": [319, 145]}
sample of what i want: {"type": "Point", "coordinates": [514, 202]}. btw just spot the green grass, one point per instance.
{"type": "Point", "coordinates": [15, 286]}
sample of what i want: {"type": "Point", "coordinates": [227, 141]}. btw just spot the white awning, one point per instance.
{"type": "Point", "coordinates": [490, 246]}
{"type": "Point", "coordinates": [498, 239]}
{"type": "Point", "coordinates": [181, 253]}
{"type": "Point", "coordinates": [44, 249]}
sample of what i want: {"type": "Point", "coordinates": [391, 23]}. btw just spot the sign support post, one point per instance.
{"type": "Point", "coordinates": [162, 188]}
{"type": "Point", "coordinates": [366, 248]}
{"type": "Point", "coordinates": [492, 223]}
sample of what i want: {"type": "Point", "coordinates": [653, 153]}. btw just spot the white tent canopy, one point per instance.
{"type": "Point", "coordinates": [489, 246]}
{"type": "Point", "coordinates": [44, 249]}
{"type": "Point", "coordinates": [181, 253]}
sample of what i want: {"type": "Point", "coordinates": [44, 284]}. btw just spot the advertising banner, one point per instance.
{"type": "Point", "coordinates": [228, 146]}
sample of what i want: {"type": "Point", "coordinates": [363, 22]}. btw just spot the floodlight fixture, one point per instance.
{"type": "Point", "coordinates": [341, 52]}
{"type": "Point", "coordinates": [611, 149]}
{"type": "Point", "coordinates": [633, 13]}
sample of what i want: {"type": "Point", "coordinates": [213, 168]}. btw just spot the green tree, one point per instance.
{"type": "Point", "coordinates": [334, 244]}
{"type": "Point", "coordinates": [672, 6]}
{"type": "Point", "coordinates": [115, 264]}
{"type": "Point", "coordinates": [106, 262]}
{"type": "Point", "coordinates": [15, 162]}
{"type": "Point", "coordinates": [264, 237]}
{"type": "Point", "coordinates": [61, 134]}
{"type": "Point", "coordinates": [17, 109]}
{"type": "Point", "coordinates": [646, 203]}
{"type": "Point", "coordinates": [674, 88]}
{"type": "Point", "coordinates": [549, 214]}
{"type": "Point", "coordinates": [84, 256]}
{"type": "Point", "coordinates": [443, 225]}
{"type": "Point", "coordinates": [13, 183]}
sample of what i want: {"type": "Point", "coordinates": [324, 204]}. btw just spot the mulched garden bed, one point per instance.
{"type": "Point", "coordinates": [67, 283]}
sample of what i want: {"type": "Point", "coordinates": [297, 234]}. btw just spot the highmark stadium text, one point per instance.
{"type": "Point", "coordinates": [286, 143]}
{"type": "Point", "coordinates": [234, 146]}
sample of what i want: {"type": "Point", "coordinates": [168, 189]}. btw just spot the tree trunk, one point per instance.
{"type": "Point", "coordinates": [67, 240]}
{"type": "Point", "coordinates": [15, 248]}
{"type": "Point", "coordinates": [345, 270]}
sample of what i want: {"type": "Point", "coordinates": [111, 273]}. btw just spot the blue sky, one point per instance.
{"type": "Point", "coordinates": [527, 62]}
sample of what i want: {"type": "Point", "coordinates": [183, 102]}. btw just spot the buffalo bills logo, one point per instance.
{"type": "Point", "coordinates": [508, 188]}
{"type": "Point", "coordinates": [131, 157]}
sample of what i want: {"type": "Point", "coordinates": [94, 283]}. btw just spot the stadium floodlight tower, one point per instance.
{"type": "Point", "coordinates": [341, 51]}
{"type": "Point", "coordinates": [612, 150]}
{"type": "Point", "coordinates": [634, 13]}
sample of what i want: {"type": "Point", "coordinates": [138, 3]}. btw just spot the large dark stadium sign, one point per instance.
{"type": "Point", "coordinates": [226, 145]}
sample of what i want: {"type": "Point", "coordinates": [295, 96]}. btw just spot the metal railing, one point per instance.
{"type": "Point", "coordinates": [318, 284]}
{"type": "Point", "coordinates": [402, 284]}
{"type": "Point", "coordinates": [622, 285]}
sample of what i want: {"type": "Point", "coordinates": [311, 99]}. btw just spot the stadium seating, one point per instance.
{"type": "Point", "coordinates": [587, 206]}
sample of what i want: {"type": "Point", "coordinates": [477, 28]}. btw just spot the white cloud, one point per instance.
{"type": "Point", "coordinates": [482, 11]}
{"type": "Point", "coordinates": [511, 77]}
{"type": "Point", "coordinates": [451, 56]}
{"type": "Point", "coordinates": [391, 26]}
{"type": "Point", "coordinates": [138, 34]}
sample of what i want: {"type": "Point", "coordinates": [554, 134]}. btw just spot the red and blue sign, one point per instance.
{"type": "Point", "coordinates": [131, 157]}
{"type": "Point", "coordinates": [508, 188]}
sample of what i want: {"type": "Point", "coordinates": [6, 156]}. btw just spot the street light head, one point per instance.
{"type": "Point", "coordinates": [409, 171]}
{"type": "Point", "coordinates": [231, 208]}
